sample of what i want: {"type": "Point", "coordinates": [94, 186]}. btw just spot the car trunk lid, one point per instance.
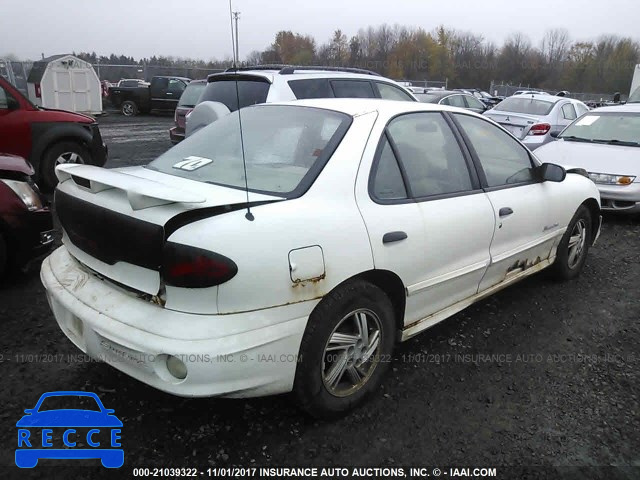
{"type": "Point", "coordinates": [116, 222]}
{"type": "Point", "coordinates": [516, 123]}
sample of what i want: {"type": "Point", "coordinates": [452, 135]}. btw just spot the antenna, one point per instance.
{"type": "Point", "coordinates": [249, 216]}
{"type": "Point", "coordinates": [233, 43]}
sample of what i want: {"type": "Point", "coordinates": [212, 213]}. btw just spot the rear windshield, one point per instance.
{"type": "Point", "coordinates": [285, 149]}
{"type": "Point", "coordinates": [191, 95]}
{"type": "Point", "coordinates": [428, 97]}
{"type": "Point", "coordinates": [525, 105]}
{"type": "Point", "coordinates": [224, 91]}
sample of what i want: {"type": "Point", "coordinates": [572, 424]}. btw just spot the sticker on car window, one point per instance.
{"type": "Point", "coordinates": [588, 120]}
{"type": "Point", "coordinates": [192, 163]}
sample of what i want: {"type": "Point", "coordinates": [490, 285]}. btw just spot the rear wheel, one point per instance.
{"type": "Point", "coordinates": [345, 350]}
{"type": "Point", "coordinates": [129, 108]}
{"type": "Point", "coordinates": [574, 246]}
{"type": "Point", "coordinates": [60, 154]}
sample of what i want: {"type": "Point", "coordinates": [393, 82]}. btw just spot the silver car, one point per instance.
{"type": "Point", "coordinates": [534, 118]}
{"type": "Point", "coordinates": [606, 143]}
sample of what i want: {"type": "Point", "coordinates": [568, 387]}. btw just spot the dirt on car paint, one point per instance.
{"type": "Point", "coordinates": [542, 373]}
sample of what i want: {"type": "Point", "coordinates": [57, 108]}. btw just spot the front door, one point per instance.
{"type": "Point", "coordinates": [522, 236]}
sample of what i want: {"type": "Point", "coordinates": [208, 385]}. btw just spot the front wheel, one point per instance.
{"type": "Point", "coordinates": [345, 350]}
{"type": "Point", "coordinates": [60, 154]}
{"type": "Point", "coordinates": [574, 246]}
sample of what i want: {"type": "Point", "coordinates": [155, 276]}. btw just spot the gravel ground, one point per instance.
{"type": "Point", "coordinates": [541, 374]}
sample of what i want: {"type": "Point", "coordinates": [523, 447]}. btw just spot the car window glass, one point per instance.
{"type": "Point", "coordinates": [311, 88]}
{"type": "Point", "coordinates": [430, 154]}
{"type": "Point", "coordinates": [581, 109]}
{"type": "Point", "coordinates": [387, 182]}
{"type": "Point", "coordinates": [250, 92]}
{"type": "Point", "coordinates": [3, 99]}
{"type": "Point", "coordinates": [473, 102]}
{"type": "Point", "coordinates": [569, 112]}
{"type": "Point", "coordinates": [161, 83]}
{"type": "Point", "coordinates": [391, 92]}
{"type": "Point", "coordinates": [352, 89]}
{"type": "Point", "coordinates": [176, 86]}
{"type": "Point", "coordinates": [457, 101]}
{"type": "Point", "coordinates": [503, 159]}
{"type": "Point", "coordinates": [69, 402]}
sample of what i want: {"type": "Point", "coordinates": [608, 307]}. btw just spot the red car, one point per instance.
{"type": "Point", "coordinates": [188, 100]}
{"type": "Point", "coordinates": [47, 137]}
{"type": "Point", "coordinates": [26, 225]}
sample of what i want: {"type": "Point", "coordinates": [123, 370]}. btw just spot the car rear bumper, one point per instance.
{"type": "Point", "coordinates": [622, 199]}
{"type": "Point", "coordinates": [33, 236]}
{"type": "Point", "coordinates": [176, 134]}
{"type": "Point", "coordinates": [536, 141]}
{"type": "Point", "coordinates": [235, 355]}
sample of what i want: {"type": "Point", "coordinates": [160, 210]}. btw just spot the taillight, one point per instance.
{"type": "Point", "coordinates": [191, 267]}
{"type": "Point", "coordinates": [539, 129]}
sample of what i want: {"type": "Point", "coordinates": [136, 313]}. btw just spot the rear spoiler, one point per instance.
{"type": "Point", "coordinates": [141, 192]}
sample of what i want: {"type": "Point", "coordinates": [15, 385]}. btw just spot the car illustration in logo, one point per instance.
{"type": "Point", "coordinates": [69, 425]}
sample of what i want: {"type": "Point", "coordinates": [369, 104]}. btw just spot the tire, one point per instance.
{"type": "Point", "coordinates": [58, 154]}
{"type": "Point", "coordinates": [325, 381]}
{"type": "Point", "coordinates": [574, 246]}
{"type": "Point", "coordinates": [129, 108]}
{"type": "Point", "coordinates": [3, 256]}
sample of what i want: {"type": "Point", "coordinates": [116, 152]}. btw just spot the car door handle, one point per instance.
{"type": "Point", "coordinates": [505, 212]}
{"type": "Point", "coordinates": [392, 237]}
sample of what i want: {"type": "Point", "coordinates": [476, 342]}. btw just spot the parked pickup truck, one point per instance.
{"type": "Point", "coordinates": [162, 94]}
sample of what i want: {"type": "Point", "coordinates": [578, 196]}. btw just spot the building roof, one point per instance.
{"type": "Point", "coordinates": [39, 67]}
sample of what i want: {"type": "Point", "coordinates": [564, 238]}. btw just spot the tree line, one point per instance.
{"type": "Point", "coordinates": [464, 59]}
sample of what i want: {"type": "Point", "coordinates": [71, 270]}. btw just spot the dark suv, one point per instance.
{"type": "Point", "coordinates": [47, 137]}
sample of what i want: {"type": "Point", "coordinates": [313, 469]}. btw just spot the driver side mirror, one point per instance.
{"type": "Point", "coordinates": [550, 172]}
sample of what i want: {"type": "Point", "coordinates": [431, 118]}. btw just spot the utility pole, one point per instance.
{"type": "Point", "coordinates": [236, 16]}
{"type": "Point", "coordinates": [233, 46]}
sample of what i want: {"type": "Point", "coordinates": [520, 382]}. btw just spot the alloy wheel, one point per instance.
{"type": "Point", "coordinates": [577, 243]}
{"type": "Point", "coordinates": [351, 353]}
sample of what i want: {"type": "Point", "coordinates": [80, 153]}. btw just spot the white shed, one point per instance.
{"type": "Point", "coordinates": [65, 82]}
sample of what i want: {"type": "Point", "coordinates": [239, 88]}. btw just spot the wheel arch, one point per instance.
{"type": "Point", "coordinates": [391, 284]}
{"type": "Point", "coordinates": [48, 135]}
{"type": "Point", "coordinates": [594, 210]}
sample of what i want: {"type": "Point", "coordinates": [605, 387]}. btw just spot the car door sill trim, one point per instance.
{"type": "Point", "coordinates": [411, 330]}
{"type": "Point", "coordinates": [421, 286]}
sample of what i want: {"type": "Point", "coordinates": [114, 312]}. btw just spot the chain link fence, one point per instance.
{"type": "Point", "coordinates": [506, 90]}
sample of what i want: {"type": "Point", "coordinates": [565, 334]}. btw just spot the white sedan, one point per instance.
{"type": "Point", "coordinates": [350, 225]}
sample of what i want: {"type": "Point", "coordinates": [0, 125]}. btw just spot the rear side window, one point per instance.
{"type": "Point", "coordinates": [311, 88]}
{"type": "Point", "coordinates": [581, 109]}
{"type": "Point", "coordinates": [569, 112]}
{"type": "Point", "coordinates": [387, 179]}
{"type": "Point", "coordinates": [473, 102]}
{"type": "Point", "coordinates": [250, 92]}
{"type": "Point", "coordinates": [455, 101]}
{"type": "Point", "coordinates": [391, 92]}
{"type": "Point", "coordinates": [429, 154]}
{"type": "Point", "coordinates": [352, 89]}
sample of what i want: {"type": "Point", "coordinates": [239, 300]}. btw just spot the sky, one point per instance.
{"type": "Point", "coordinates": [200, 29]}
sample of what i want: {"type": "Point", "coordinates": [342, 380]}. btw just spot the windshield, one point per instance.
{"type": "Point", "coordinates": [285, 149]}
{"type": "Point", "coordinates": [69, 402]}
{"type": "Point", "coordinates": [250, 92]}
{"type": "Point", "coordinates": [428, 97]}
{"type": "Point", "coordinates": [635, 96]}
{"type": "Point", "coordinates": [191, 95]}
{"type": "Point", "coordinates": [525, 105]}
{"type": "Point", "coordinates": [623, 127]}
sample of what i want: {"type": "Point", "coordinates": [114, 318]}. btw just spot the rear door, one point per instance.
{"type": "Point", "coordinates": [523, 236]}
{"type": "Point", "coordinates": [427, 217]}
